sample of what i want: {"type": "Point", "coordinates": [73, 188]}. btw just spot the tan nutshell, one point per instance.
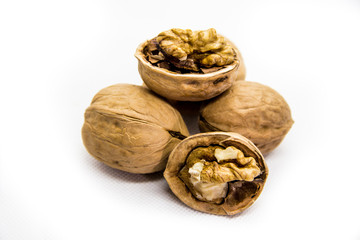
{"type": "Point", "coordinates": [187, 65]}
{"type": "Point", "coordinates": [251, 109]}
{"type": "Point", "coordinates": [220, 173]}
{"type": "Point", "coordinates": [130, 128]}
{"type": "Point", "coordinates": [242, 68]}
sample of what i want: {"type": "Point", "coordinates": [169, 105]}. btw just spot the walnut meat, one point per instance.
{"type": "Point", "coordinates": [190, 50]}
{"type": "Point", "coordinates": [130, 128]}
{"type": "Point", "coordinates": [189, 65]}
{"type": "Point", "coordinates": [254, 110]}
{"type": "Point", "coordinates": [219, 173]}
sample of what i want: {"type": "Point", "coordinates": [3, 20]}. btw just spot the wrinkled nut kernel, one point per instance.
{"type": "Point", "coordinates": [208, 179]}
{"type": "Point", "coordinates": [188, 65]}
{"type": "Point", "coordinates": [219, 173]}
{"type": "Point", "coordinates": [191, 50]}
{"type": "Point", "coordinates": [251, 109]}
{"type": "Point", "coordinates": [130, 128]}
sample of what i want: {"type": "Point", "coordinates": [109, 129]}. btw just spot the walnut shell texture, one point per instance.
{"type": "Point", "coordinates": [189, 86]}
{"type": "Point", "coordinates": [130, 128]}
{"type": "Point", "coordinates": [242, 68]}
{"type": "Point", "coordinates": [240, 196]}
{"type": "Point", "coordinates": [251, 109]}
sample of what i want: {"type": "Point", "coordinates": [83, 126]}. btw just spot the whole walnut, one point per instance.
{"type": "Point", "coordinates": [130, 128]}
{"type": "Point", "coordinates": [252, 109]}
{"type": "Point", "coordinates": [188, 65]}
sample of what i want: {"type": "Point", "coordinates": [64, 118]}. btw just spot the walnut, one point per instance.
{"type": "Point", "coordinates": [130, 128]}
{"type": "Point", "coordinates": [219, 173]}
{"type": "Point", "coordinates": [190, 50]}
{"type": "Point", "coordinates": [188, 65]}
{"type": "Point", "coordinates": [251, 109]}
{"type": "Point", "coordinates": [207, 180]}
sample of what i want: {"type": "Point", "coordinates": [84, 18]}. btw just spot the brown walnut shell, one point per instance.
{"type": "Point", "coordinates": [130, 128]}
{"type": "Point", "coordinates": [188, 86]}
{"type": "Point", "coordinates": [242, 68]}
{"type": "Point", "coordinates": [240, 195]}
{"type": "Point", "coordinates": [251, 109]}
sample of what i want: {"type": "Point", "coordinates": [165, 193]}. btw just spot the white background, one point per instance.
{"type": "Point", "coordinates": [55, 55]}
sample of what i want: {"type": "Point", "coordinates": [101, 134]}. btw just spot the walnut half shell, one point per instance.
{"type": "Point", "coordinates": [229, 185]}
{"type": "Point", "coordinates": [188, 86]}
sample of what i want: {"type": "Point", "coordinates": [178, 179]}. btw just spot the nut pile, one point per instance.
{"type": "Point", "coordinates": [138, 129]}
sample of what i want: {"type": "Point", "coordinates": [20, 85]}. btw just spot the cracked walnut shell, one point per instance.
{"type": "Point", "coordinates": [251, 109]}
{"type": "Point", "coordinates": [220, 173]}
{"type": "Point", "coordinates": [130, 128]}
{"type": "Point", "coordinates": [184, 82]}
